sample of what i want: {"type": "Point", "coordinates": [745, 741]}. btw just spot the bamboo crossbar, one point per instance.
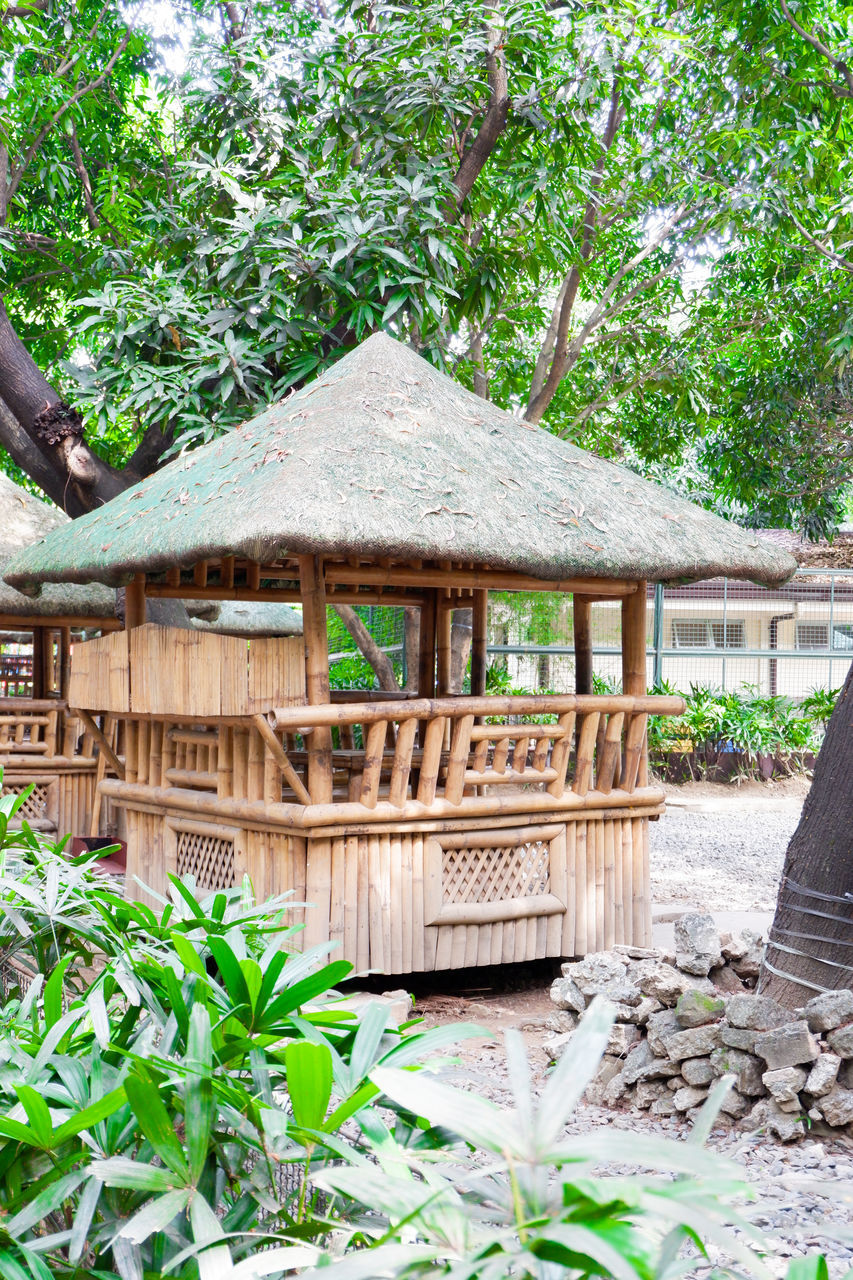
{"type": "Point", "coordinates": [307, 719]}
{"type": "Point", "coordinates": [31, 705]}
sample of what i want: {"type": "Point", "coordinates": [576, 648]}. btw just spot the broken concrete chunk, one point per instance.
{"type": "Point", "coordinates": [788, 1046]}
{"type": "Point", "coordinates": [726, 980]}
{"type": "Point", "coordinates": [784, 1085]}
{"type": "Point", "coordinates": [734, 1104]}
{"type": "Point", "coordinates": [602, 974]}
{"type": "Point", "coordinates": [755, 1013]}
{"type": "Point", "coordinates": [665, 982]}
{"type": "Point", "coordinates": [697, 943]}
{"type": "Point", "coordinates": [695, 1042]}
{"type": "Point", "coordinates": [841, 1041]}
{"type": "Point", "coordinates": [660, 1027]}
{"type": "Point", "coordinates": [749, 965]}
{"type": "Point", "coordinates": [698, 1071]}
{"type": "Point", "coordinates": [648, 1091]}
{"type": "Point", "coordinates": [823, 1075]}
{"type": "Point", "coordinates": [738, 1037]}
{"type": "Point", "coordinates": [829, 1010]}
{"type": "Point", "coordinates": [732, 946]}
{"type": "Point", "coordinates": [642, 1064]}
{"type": "Point", "coordinates": [746, 1069]}
{"type": "Point", "coordinates": [566, 994]}
{"type": "Point", "coordinates": [562, 1022]}
{"type": "Point", "coordinates": [766, 1114]}
{"type": "Point", "coordinates": [623, 1037]}
{"type": "Point", "coordinates": [695, 1008]}
{"type": "Point", "coordinates": [836, 1106]}
{"type": "Point", "coordinates": [641, 1013]}
{"type": "Point", "coordinates": [688, 1097]}
{"type": "Point", "coordinates": [664, 1106]}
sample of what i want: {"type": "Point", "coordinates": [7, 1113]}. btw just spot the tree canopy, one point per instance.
{"type": "Point", "coordinates": [626, 221]}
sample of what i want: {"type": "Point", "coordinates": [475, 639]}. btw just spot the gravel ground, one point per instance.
{"type": "Point", "coordinates": [723, 848]}
{"type": "Point", "coordinates": [801, 1193]}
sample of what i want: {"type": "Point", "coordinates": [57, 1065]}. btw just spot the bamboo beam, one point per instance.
{"type": "Point", "coordinates": [582, 628]}
{"type": "Point", "coordinates": [303, 718]}
{"type": "Point", "coordinates": [313, 592]}
{"type": "Point", "coordinates": [277, 595]}
{"type": "Point", "coordinates": [92, 728]}
{"type": "Point", "coordinates": [282, 759]}
{"type": "Point", "coordinates": [134, 602]}
{"type": "Point", "coordinates": [494, 579]}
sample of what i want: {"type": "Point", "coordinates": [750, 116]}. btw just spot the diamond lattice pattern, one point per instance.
{"type": "Point", "coordinates": [34, 807]}
{"type": "Point", "coordinates": [493, 875]}
{"type": "Point", "coordinates": [209, 858]}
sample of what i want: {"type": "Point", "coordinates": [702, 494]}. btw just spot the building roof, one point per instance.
{"type": "Point", "coordinates": [837, 554]}
{"type": "Point", "coordinates": [384, 456]}
{"type": "Point", "coordinates": [249, 618]}
{"type": "Point", "coordinates": [25, 519]}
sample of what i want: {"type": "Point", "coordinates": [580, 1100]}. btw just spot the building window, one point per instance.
{"type": "Point", "coordinates": [708, 633]}
{"type": "Point", "coordinates": [815, 635]}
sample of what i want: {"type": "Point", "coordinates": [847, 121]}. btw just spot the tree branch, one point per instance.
{"type": "Point", "coordinates": [379, 661]}
{"type": "Point", "coordinates": [838, 64]}
{"type": "Point", "coordinates": [85, 89]}
{"type": "Point", "coordinates": [538, 403]}
{"type": "Point", "coordinates": [494, 121]}
{"type": "Point", "coordinates": [85, 181]}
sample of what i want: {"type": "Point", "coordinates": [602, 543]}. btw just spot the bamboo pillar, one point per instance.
{"type": "Point", "coordinates": [38, 661]}
{"type": "Point", "coordinates": [479, 638]}
{"type": "Point", "coordinates": [313, 594]}
{"type": "Point", "coordinates": [582, 627]}
{"type": "Point", "coordinates": [134, 602]}
{"type": "Point", "coordinates": [443, 643]}
{"type": "Point", "coordinates": [426, 653]}
{"type": "Point", "coordinates": [64, 661]}
{"type": "Point", "coordinates": [634, 642]}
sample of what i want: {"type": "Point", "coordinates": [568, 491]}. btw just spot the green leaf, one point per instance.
{"type": "Point", "coordinates": [308, 1068]}
{"type": "Point", "coordinates": [155, 1123]}
{"type": "Point", "coordinates": [133, 1175]}
{"type": "Point", "coordinates": [156, 1215]}
{"type": "Point", "coordinates": [37, 1114]}
{"type": "Point", "coordinates": [198, 1091]}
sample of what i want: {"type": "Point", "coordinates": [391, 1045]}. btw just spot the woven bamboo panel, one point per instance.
{"type": "Point", "coordinates": [36, 806]}
{"type": "Point", "coordinates": [208, 857]}
{"type": "Point", "coordinates": [100, 674]}
{"type": "Point", "coordinates": [490, 875]}
{"type": "Point", "coordinates": [276, 672]}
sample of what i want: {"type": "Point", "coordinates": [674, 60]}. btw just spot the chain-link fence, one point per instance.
{"type": "Point", "coordinates": [720, 633]}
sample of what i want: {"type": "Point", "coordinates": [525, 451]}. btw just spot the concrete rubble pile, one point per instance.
{"type": "Point", "coordinates": [686, 1018]}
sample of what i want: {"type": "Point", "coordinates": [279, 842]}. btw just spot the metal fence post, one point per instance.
{"type": "Point", "coordinates": [657, 637]}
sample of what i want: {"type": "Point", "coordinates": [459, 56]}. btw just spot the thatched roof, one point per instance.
{"type": "Point", "coordinates": [24, 520]}
{"type": "Point", "coordinates": [385, 456]}
{"type": "Point", "coordinates": [250, 618]}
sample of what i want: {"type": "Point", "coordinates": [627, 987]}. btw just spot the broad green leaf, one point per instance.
{"type": "Point", "coordinates": [155, 1122]}
{"type": "Point", "coordinates": [309, 1082]}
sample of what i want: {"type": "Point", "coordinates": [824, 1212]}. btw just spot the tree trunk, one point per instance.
{"type": "Point", "coordinates": [381, 664]}
{"type": "Point", "coordinates": [811, 941]}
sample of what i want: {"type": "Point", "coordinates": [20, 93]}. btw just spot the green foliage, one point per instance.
{"type": "Point", "coordinates": [203, 217]}
{"type": "Point", "coordinates": [748, 722]}
{"type": "Point", "coordinates": [197, 1104]}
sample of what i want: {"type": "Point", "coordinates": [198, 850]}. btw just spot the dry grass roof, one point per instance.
{"type": "Point", "coordinates": [383, 456]}
{"type": "Point", "coordinates": [24, 520]}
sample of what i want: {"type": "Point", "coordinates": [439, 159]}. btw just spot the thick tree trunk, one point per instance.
{"type": "Point", "coordinates": [811, 941]}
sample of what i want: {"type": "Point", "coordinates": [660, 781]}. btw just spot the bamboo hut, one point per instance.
{"type": "Point", "coordinates": [430, 831]}
{"type": "Point", "coordinates": [40, 743]}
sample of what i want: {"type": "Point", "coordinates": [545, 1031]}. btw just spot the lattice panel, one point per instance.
{"type": "Point", "coordinates": [34, 808]}
{"type": "Point", "coordinates": [493, 875]}
{"type": "Point", "coordinates": [207, 857]}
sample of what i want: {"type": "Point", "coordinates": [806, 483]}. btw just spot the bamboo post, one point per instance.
{"type": "Point", "coordinates": [479, 638]}
{"type": "Point", "coordinates": [426, 653]}
{"type": "Point", "coordinates": [134, 602]}
{"type": "Point", "coordinates": [313, 593]}
{"type": "Point", "coordinates": [38, 662]}
{"type": "Point", "coordinates": [634, 657]}
{"type": "Point", "coordinates": [64, 661]}
{"type": "Point", "coordinates": [444, 629]}
{"type": "Point", "coordinates": [582, 628]}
